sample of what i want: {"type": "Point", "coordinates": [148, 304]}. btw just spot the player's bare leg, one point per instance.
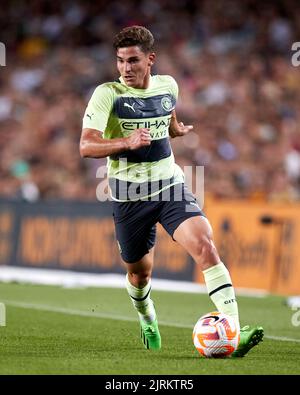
{"type": "Point", "coordinates": [138, 284]}
{"type": "Point", "coordinates": [195, 236]}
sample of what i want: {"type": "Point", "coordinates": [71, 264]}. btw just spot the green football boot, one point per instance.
{"type": "Point", "coordinates": [249, 337]}
{"type": "Point", "coordinates": [150, 335]}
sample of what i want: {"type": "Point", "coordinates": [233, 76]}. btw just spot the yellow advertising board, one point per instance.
{"type": "Point", "coordinates": [86, 242]}
{"type": "Point", "coordinates": [77, 236]}
{"type": "Point", "coordinates": [259, 243]}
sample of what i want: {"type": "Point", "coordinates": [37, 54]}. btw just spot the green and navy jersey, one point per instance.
{"type": "Point", "coordinates": [117, 110]}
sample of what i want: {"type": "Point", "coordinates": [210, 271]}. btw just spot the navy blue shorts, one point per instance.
{"type": "Point", "coordinates": [135, 221]}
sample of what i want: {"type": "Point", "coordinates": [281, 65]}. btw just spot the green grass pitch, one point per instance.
{"type": "Point", "coordinates": [54, 330]}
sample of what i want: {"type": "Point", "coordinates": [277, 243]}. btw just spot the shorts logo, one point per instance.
{"type": "Point", "coordinates": [167, 104]}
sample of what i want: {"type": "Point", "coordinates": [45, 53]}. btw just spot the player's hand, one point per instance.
{"type": "Point", "coordinates": [139, 138]}
{"type": "Point", "coordinates": [182, 129]}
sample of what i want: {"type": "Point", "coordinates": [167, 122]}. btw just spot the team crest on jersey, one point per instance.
{"type": "Point", "coordinates": [166, 103]}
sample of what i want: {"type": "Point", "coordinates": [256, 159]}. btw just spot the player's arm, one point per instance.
{"type": "Point", "coordinates": [93, 145]}
{"type": "Point", "coordinates": [178, 128]}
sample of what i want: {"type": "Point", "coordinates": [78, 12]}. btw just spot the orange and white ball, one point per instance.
{"type": "Point", "coordinates": [216, 335]}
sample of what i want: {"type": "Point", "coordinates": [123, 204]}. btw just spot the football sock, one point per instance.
{"type": "Point", "coordinates": [141, 301]}
{"type": "Point", "coordinates": [221, 291]}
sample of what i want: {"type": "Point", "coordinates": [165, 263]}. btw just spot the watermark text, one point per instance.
{"type": "Point", "coordinates": [296, 316]}
{"type": "Point", "coordinates": [2, 54]}
{"type": "Point", "coordinates": [296, 55]}
{"type": "Point", "coordinates": [131, 183]}
{"type": "Point", "coordinates": [2, 314]}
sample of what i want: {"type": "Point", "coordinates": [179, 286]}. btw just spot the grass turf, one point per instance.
{"type": "Point", "coordinates": [40, 340]}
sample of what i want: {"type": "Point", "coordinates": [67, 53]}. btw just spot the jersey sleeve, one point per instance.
{"type": "Point", "coordinates": [173, 87]}
{"type": "Point", "coordinates": [98, 109]}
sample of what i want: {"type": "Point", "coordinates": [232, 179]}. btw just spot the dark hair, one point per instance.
{"type": "Point", "coordinates": [134, 35]}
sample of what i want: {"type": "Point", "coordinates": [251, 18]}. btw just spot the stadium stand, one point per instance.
{"type": "Point", "coordinates": [233, 65]}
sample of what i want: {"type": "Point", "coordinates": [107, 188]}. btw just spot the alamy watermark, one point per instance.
{"type": "Point", "coordinates": [2, 314]}
{"type": "Point", "coordinates": [2, 54]}
{"type": "Point", "coordinates": [296, 55]}
{"type": "Point", "coordinates": [296, 316]}
{"type": "Point", "coordinates": [126, 185]}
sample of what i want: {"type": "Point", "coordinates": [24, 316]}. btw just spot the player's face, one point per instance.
{"type": "Point", "coordinates": [134, 65]}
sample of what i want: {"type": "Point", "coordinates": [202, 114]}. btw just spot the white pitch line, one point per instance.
{"type": "Point", "coordinates": [283, 339]}
{"type": "Point", "coordinates": [63, 310]}
{"type": "Point", "coordinates": [83, 313]}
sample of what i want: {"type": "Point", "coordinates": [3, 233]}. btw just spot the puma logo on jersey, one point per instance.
{"type": "Point", "coordinates": [90, 116]}
{"type": "Point", "coordinates": [129, 106]}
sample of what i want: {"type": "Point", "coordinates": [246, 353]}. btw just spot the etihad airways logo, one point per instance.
{"type": "Point", "coordinates": [158, 123]}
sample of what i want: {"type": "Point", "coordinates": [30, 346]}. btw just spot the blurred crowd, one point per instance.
{"type": "Point", "coordinates": [232, 62]}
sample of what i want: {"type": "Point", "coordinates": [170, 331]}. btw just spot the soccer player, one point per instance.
{"type": "Point", "coordinates": [130, 121]}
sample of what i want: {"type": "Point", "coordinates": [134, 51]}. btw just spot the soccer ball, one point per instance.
{"type": "Point", "coordinates": [216, 335]}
